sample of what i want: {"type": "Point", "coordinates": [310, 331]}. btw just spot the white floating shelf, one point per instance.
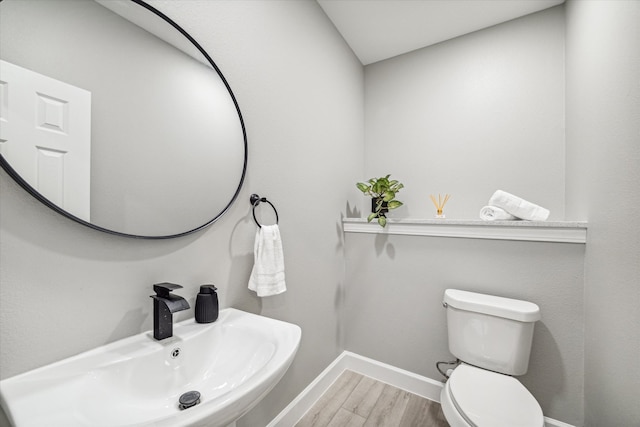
{"type": "Point", "coordinates": [532, 231]}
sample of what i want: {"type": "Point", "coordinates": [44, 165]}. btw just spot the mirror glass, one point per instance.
{"type": "Point", "coordinates": [124, 125]}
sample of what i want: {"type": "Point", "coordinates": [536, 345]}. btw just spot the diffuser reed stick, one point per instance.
{"type": "Point", "coordinates": [439, 204]}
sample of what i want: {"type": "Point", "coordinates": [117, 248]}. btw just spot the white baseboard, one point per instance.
{"type": "Point", "coordinates": [416, 384]}
{"type": "Point", "coordinates": [550, 422]}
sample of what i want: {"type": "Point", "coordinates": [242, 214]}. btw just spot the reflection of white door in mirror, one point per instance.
{"type": "Point", "coordinates": [45, 129]}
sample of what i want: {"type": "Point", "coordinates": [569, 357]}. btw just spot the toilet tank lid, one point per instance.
{"type": "Point", "coordinates": [522, 311]}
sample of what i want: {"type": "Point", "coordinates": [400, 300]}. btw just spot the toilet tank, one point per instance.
{"type": "Point", "coordinates": [490, 332]}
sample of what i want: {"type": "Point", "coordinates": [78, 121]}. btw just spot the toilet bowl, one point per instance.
{"type": "Point", "coordinates": [474, 397]}
{"type": "Point", "coordinates": [491, 336]}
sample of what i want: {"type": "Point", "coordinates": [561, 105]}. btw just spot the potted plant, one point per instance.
{"type": "Point", "coordinates": [383, 193]}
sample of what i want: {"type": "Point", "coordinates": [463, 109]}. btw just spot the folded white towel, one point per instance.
{"type": "Point", "coordinates": [267, 276]}
{"type": "Point", "coordinates": [518, 207]}
{"type": "Point", "coordinates": [493, 213]}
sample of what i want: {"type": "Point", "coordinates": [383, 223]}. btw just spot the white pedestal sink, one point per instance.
{"type": "Point", "coordinates": [233, 363]}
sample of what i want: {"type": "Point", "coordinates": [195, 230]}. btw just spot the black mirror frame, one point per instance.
{"type": "Point", "coordinates": [16, 177]}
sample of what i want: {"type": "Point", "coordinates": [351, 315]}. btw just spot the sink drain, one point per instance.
{"type": "Point", "coordinates": [189, 399]}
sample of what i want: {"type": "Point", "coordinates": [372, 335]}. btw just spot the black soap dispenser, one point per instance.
{"type": "Point", "coordinates": [207, 304]}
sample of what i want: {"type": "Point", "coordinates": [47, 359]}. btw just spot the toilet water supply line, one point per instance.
{"type": "Point", "coordinates": [448, 372]}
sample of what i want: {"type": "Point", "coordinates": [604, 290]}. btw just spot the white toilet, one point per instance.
{"type": "Point", "coordinates": [491, 336]}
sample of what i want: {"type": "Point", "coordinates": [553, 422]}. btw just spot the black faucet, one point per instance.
{"type": "Point", "coordinates": [164, 304]}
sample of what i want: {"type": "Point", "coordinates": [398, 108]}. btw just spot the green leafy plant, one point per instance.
{"type": "Point", "coordinates": [383, 191]}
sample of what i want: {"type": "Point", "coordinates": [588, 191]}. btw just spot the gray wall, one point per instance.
{"type": "Point", "coordinates": [603, 180]}
{"type": "Point", "coordinates": [471, 115]}
{"type": "Point", "coordinates": [586, 348]}
{"type": "Point", "coordinates": [468, 116]}
{"type": "Point", "coordinates": [394, 291]}
{"type": "Point", "coordinates": [65, 288]}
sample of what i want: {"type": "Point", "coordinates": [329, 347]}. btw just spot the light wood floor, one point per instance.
{"type": "Point", "coordinates": [358, 401]}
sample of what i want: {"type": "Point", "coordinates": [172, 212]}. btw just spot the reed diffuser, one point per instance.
{"type": "Point", "coordinates": [439, 204]}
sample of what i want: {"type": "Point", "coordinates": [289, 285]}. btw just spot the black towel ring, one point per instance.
{"type": "Point", "coordinates": [255, 201]}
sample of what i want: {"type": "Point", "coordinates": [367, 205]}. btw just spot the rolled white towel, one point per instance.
{"type": "Point", "coordinates": [518, 207]}
{"type": "Point", "coordinates": [493, 213]}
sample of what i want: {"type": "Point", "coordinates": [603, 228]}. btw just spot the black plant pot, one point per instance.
{"type": "Point", "coordinates": [374, 204]}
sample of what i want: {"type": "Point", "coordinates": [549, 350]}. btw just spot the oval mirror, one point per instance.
{"type": "Point", "coordinates": [114, 116]}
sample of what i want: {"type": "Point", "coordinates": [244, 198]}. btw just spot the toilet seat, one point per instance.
{"type": "Point", "coordinates": [489, 399]}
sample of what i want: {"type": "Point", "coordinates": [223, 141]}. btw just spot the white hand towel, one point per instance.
{"type": "Point", "coordinates": [493, 213]}
{"type": "Point", "coordinates": [518, 207]}
{"type": "Point", "coordinates": [267, 276]}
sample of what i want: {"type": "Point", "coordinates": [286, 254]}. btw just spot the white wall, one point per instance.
{"type": "Point", "coordinates": [472, 115]}
{"type": "Point", "coordinates": [603, 186]}
{"type": "Point", "coordinates": [65, 288]}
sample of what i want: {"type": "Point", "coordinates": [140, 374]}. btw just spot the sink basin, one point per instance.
{"type": "Point", "coordinates": [233, 363]}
